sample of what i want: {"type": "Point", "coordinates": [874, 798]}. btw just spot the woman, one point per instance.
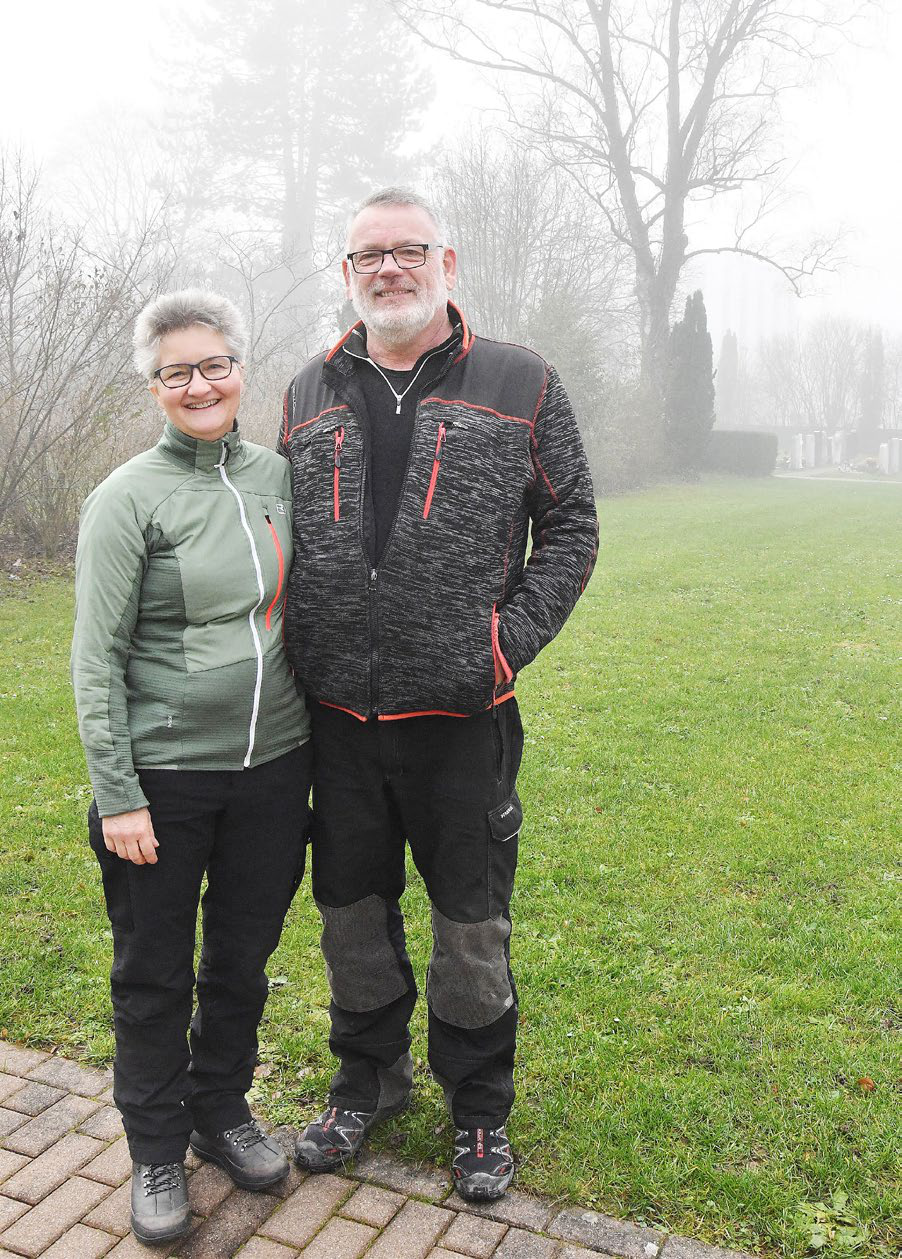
{"type": "Point", "coordinates": [196, 742]}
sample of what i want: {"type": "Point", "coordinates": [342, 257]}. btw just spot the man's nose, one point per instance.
{"type": "Point", "coordinates": [389, 265]}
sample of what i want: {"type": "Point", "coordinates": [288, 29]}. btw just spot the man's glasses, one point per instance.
{"type": "Point", "coordinates": [406, 257]}
{"type": "Point", "coordinates": [175, 375]}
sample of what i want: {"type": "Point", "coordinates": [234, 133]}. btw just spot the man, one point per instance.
{"type": "Point", "coordinates": [421, 456]}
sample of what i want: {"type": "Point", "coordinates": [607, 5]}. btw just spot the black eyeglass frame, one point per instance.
{"type": "Point", "coordinates": [196, 366]}
{"type": "Point", "coordinates": [427, 249]}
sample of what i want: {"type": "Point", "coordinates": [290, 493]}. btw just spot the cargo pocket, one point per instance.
{"type": "Point", "coordinates": [504, 831]}
{"type": "Point", "coordinates": [114, 872]}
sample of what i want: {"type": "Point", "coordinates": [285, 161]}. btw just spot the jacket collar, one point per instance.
{"type": "Point", "coordinates": [355, 341]}
{"type": "Point", "coordinates": [201, 456]}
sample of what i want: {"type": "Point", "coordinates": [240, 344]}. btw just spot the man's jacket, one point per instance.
{"type": "Point", "coordinates": [177, 657]}
{"type": "Point", "coordinates": [495, 450]}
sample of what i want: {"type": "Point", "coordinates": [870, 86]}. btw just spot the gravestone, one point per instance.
{"type": "Point", "coordinates": [883, 457]}
{"type": "Point", "coordinates": [895, 455]}
{"type": "Point", "coordinates": [797, 452]}
{"type": "Point", "coordinates": [810, 450]}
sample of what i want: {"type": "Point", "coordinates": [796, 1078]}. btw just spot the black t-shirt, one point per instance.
{"type": "Point", "coordinates": [391, 434]}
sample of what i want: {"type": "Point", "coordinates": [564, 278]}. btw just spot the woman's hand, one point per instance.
{"type": "Point", "coordinates": [130, 836]}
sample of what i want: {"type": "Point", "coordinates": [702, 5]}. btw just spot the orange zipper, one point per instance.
{"type": "Point", "coordinates": [339, 442]}
{"type": "Point", "coordinates": [436, 463]}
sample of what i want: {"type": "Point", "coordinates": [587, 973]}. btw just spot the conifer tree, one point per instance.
{"type": "Point", "coordinates": [689, 393]}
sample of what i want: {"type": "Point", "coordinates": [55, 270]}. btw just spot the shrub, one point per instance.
{"type": "Point", "coordinates": [741, 452]}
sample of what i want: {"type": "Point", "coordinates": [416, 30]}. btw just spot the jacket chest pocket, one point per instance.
{"type": "Point", "coordinates": [473, 466]}
{"type": "Point", "coordinates": [326, 464]}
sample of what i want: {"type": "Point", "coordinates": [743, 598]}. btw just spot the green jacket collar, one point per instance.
{"type": "Point", "coordinates": [200, 455]}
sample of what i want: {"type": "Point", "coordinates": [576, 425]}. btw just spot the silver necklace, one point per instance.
{"type": "Point", "coordinates": [398, 397]}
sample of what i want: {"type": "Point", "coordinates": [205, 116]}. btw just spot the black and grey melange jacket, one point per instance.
{"type": "Point", "coordinates": [495, 449]}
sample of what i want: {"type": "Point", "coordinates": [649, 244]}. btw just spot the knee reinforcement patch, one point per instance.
{"type": "Point", "coordinates": [469, 983]}
{"type": "Point", "coordinates": [361, 963]}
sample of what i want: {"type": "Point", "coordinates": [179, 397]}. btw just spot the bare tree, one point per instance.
{"type": "Point", "coordinates": [651, 106]}
{"type": "Point", "coordinates": [66, 311]}
{"type": "Point", "coordinates": [811, 379]}
{"type": "Point", "coordinates": [529, 242]}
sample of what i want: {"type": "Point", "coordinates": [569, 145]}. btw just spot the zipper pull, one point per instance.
{"type": "Point", "coordinates": [339, 442]}
{"type": "Point", "coordinates": [398, 408]}
{"type": "Point", "coordinates": [372, 577]}
{"type": "Point", "coordinates": [442, 432]}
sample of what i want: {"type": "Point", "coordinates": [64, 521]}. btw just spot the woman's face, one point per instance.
{"type": "Point", "coordinates": [204, 409]}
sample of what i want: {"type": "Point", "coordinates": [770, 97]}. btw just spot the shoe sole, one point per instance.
{"type": "Point", "coordinates": [210, 1156]}
{"type": "Point", "coordinates": [482, 1192]}
{"type": "Point", "coordinates": [160, 1239]}
{"type": "Point", "coordinates": [330, 1164]}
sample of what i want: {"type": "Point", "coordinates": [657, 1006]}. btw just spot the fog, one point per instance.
{"type": "Point", "coordinates": [227, 145]}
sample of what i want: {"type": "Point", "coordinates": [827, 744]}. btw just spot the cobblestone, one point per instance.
{"type": "Point", "coordinates": [306, 1211]}
{"type": "Point", "coordinates": [63, 1074]}
{"type": "Point", "coordinates": [112, 1166]}
{"type": "Point", "coordinates": [412, 1233]}
{"type": "Point", "coordinates": [9, 1084]}
{"type": "Point", "coordinates": [105, 1125]}
{"type": "Point", "coordinates": [65, 1189]}
{"type": "Point", "coordinates": [38, 1134]}
{"type": "Point", "coordinates": [410, 1180]}
{"type": "Point", "coordinates": [45, 1223]}
{"type": "Point", "coordinates": [686, 1248]}
{"type": "Point", "coordinates": [471, 1235]}
{"type": "Point", "coordinates": [518, 1244]}
{"type": "Point", "coordinates": [18, 1061]}
{"type": "Point", "coordinates": [10, 1210]}
{"type": "Point", "coordinates": [372, 1205]}
{"type": "Point", "coordinates": [33, 1098]}
{"type": "Point", "coordinates": [602, 1232]}
{"type": "Point", "coordinates": [515, 1208]}
{"type": "Point", "coordinates": [46, 1173]}
{"type": "Point", "coordinates": [9, 1121]}
{"type": "Point", "coordinates": [10, 1163]}
{"type": "Point", "coordinates": [261, 1248]}
{"type": "Point", "coordinates": [112, 1214]}
{"type": "Point", "coordinates": [81, 1243]}
{"type": "Point", "coordinates": [236, 1221]}
{"type": "Point", "coordinates": [340, 1239]}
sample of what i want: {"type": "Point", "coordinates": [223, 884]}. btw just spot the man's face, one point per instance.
{"type": "Point", "coordinates": [398, 304]}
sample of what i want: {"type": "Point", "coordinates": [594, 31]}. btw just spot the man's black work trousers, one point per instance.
{"type": "Point", "coordinates": [446, 786]}
{"type": "Point", "coordinates": [246, 831]}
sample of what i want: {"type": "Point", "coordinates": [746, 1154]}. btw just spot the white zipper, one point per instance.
{"type": "Point", "coordinates": [399, 397]}
{"type": "Point", "coordinates": [254, 610]}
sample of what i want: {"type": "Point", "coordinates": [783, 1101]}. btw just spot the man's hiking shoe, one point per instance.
{"type": "Point", "coordinates": [160, 1211]}
{"type": "Point", "coordinates": [483, 1166]}
{"type": "Point", "coordinates": [252, 1159]}
{"type": "Point", "coordinates": [337, 1136]}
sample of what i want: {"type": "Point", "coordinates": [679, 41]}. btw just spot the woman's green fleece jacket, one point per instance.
{"type": "Point", "coordinates": [177, 656]}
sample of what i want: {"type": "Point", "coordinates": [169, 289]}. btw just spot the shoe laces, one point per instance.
{"type": "Point", "coordinates": [160, 1177]}
{"type": "Point", "coordinates": [246, 1135]}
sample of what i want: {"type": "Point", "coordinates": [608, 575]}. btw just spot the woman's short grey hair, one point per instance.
{"type": "Point", "coordinates": [405, 196]}
{"type": "Point", "coordinates": [170, 312]}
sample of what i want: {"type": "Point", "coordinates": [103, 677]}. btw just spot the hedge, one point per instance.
{"type": "Point", "coordinates": [741, 452]}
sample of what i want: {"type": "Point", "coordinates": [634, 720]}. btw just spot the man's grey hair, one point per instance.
{"type": "Point", "coordinates": [405, 196]}
{"type": "Point", "coordinates": [170, 312]}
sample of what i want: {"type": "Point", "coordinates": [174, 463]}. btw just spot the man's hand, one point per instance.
{"type": "Point", "coordinates": [130, 836]}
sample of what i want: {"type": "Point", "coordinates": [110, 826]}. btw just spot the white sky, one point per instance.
{"type": "Point", "coordinates": [63, 63]}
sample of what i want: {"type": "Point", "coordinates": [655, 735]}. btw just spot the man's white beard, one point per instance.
{"type": "Point", "coordinates": [397, 327]}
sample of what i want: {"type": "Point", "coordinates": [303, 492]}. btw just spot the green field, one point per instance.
{"type": "Point", "coordinates": [707, 916]}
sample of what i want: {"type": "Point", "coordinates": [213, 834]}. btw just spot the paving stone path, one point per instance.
{"type": "Point", "coordinates": [64, 1194]}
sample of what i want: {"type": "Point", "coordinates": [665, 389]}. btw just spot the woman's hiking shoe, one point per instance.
{"type": "Point", "coordinates": [160, 1211]}
{"type": "Point", "coordinates": [337, 1136]}
{"type": "Point", "coordinates": [483, 1166]}
{"type": "Point", "coordinates": [252, 1159]}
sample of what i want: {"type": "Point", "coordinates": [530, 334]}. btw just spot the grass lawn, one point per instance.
{"type": "Point", "coordinates": [707, 915]}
